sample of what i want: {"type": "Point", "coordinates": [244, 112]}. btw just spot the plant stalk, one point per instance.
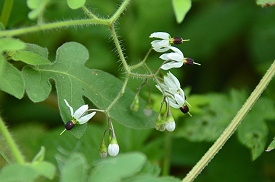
{"type": "Point", "coordinates": [214, 149]}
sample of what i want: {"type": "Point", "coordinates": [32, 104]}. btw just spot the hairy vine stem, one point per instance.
{"type": "Point", "coordinates": [214, 149]}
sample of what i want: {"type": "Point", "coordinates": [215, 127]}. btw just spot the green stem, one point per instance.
{"type": "Point", "coordinates": [54, 25]}
{"type": "Point", "coordinates": [13, 147]}
{"type": "Point", "coordinates": [89, 13]}
{"type": "Point", "coordinates": [119, 11]}
{"type": "Point", "coordinates": [208, 156]}
{"type": "Point", "coordinates": [119, 50]}
{"type": "Point", "coordinates": [119, 94]}
{"type": "Point", "coordinates": [6, 11]}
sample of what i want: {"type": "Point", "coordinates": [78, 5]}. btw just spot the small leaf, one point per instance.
{"type": "Point", "coordinates": [37, 7]}
{"type": "Point", "coordinates": [181, 7]}
{"type": "Point", "coordinates": [44, 168]}
{"type": "Point", "coordinates": [11, 44]}
{"type": "Point", "coordinates": [75, 4]}
{"type": "Point", "coordinates": [40, 155]}
{"type": "Point", "coordinates": [11, 79]}
{"type": "Point", "coordinates": [29, 58]}
{"type": "Point", "coordinates": [271, 146]}
{"type": "Point", "coordinates": [118, 168]}
{"type": "Point", "coordinates": [74, 169]}
{"type": "Point", "coordinates": [265, 3]}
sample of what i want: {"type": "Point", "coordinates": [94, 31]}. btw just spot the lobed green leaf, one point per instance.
{"type": "Point", "coordinates": [74, 81]}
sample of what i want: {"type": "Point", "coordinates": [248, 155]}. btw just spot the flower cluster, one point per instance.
{"type": "Point", "coordinates": [173, 59]}
{"type": "Point", "coordinates": [170, 87]}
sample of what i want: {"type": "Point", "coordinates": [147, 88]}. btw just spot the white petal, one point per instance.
{"type": "Point", "coordinates": [176, 50]}
{"type": "Point", "coordinates": [71, 109]}
{"type": "Point", "coordinates": [175, 57]}
{"type": "Point", "coordinates": [164, 57]}
{"type": "Point", "coordinates": [80, 111]}
{"type": "Point", "coordinates": [174, 80]}
{"type": "Point", "coordinates": [161, 49]}
{"type": "Point", "coordinates": [179, 99]}
{"type": "Point", "coordinates": [170, 65]}
{"type": "Point", "coordinates": [86, 118]}
{"type": "Point", "coordinates": [161, 35]}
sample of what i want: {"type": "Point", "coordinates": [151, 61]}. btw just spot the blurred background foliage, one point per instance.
{"type": "Point", "coordinates": [234, 42]}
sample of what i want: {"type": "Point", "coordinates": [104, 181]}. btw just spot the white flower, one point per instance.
{"type": "Point", "coordinates": [174, 59]}
{"type": "Point", "coordinates": [79, 116]}
{"type": "Point", "coordinates": [163, 44]}
{"type": "Point", "coordinates": [171, 89]}
{"type": "Point", "coordinates": [113, 149]}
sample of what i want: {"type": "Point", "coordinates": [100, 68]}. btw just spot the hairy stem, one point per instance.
{"type": "Point", "coordinates": [214, 149]}
{"type": "Point", "coordinates": [54, 25]}
{"type": "Point", "coordinates": [13, 147]}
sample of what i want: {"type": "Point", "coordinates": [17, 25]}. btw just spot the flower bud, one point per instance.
{"type": "Point", "coordinates": [135, 104]}
{"type": "Point", "coordinates": [170, 125]}
{"type": "Point", "coordinates": [113, 147]}
{"type": "Point", "coordinates": [103, 150]}
{"type": "Point", "coordinates": [160, 124]}
{"type": "Point", "coordinates": [148, 109]}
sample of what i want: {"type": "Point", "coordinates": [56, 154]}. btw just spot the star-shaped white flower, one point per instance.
{"type": "Point", "coordinates": [79, 115]}
{"type": "Point", "coordinates": [171, 89]}
{"type": "Point", "coordinates": [173, 59]}
{"type": "Point", "coordinates": [163, 44]}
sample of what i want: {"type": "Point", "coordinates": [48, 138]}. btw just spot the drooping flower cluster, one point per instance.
{"type": "Point", "coordinates": [170, 87]}
{"type": "Point", "coordinates": [173, 59]}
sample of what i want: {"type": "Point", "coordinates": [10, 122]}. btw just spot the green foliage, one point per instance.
{"type": "Point", "coordinates": [28, 172]}
{"type": "Point", "coordinates": [37, 7]}
{"type": "Point", "coordinates": [181, 7]}
{"type": "Point", "coordinates": [32, 55]}
{"type": "Point", "coordinates": [73, 81]}
{"type": "Point", "coordinates": [11, 79]}
{"type": "Point", "coordinates": [75, 4]}
{"type": "Point", "coordinates": [253, 131]}
{"type": "Point", "coordinates": [214, 117]}
{"type": "Point", "coordinates": [11, 44]}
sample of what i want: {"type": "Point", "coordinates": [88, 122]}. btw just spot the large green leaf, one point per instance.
{"type": "Point", "coordinates": [11, 80]}
{"type": "Point", "coordinates": [115, 169]}
{"type": "Point", "coordinates": [73, 81]}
